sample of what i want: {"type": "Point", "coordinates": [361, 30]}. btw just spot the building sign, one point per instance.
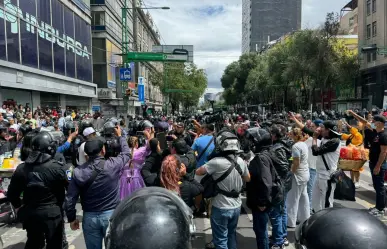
{"type": "Point", "coordinates": [44, 30]}
{"type": "Point", "coordinates": [105, 93]}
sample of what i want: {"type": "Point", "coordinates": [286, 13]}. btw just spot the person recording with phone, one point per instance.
{"type": "Point", "coordinates": [97, 183]}
{"type": "Point", "coordinates": [180, 133]}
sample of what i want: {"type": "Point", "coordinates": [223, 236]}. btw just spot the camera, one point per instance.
{"type": "Point", "coordinates": [217, 117]}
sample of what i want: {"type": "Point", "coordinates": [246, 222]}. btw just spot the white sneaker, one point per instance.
{"type": "Point", "coordinates": [357, 185]}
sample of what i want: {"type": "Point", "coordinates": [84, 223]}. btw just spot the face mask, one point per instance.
{"type": "Point", "coordinates": [373, 126]}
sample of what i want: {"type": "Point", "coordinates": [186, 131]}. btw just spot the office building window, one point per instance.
{"type": "Point", "coordinates": [368, 31]}
{"type": "Point", "coordinates": [368, 57]}
{"type": "Point", "coordinates": [374, 6]}
{"type": "Point", "coordinates": [374, 56]}
{"type": "Point", "coordinates": [368, 7]}
{"type": "Point", "coordinates": [98, 18]}
{"type": "Point", "coordinates": [374, 30]}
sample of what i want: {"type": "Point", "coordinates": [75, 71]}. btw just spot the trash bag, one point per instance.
{"type": "Point", "coordinates": [345, 188]}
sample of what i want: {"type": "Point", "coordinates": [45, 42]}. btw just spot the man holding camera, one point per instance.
{"type": "Point", "coordinates": [179, 133]}
{"type": "Point", "coordinates": [97, 182]}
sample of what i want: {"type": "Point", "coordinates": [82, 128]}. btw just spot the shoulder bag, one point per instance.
{"type": "Point", "coordinates": [210, 185]}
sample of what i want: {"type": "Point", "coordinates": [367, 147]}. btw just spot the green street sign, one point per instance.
{"type": "Point", "coordinates": [144, 56]}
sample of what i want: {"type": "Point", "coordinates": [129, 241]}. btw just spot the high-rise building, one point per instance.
{"type": "Point", "coordinates": [46, 54]}
{"type": "Point", "coordinates": [107, 27]}
{"type": "Point", "coordinates": [372, 21]}
{"type": "Point", "coordinates": [267, 20]}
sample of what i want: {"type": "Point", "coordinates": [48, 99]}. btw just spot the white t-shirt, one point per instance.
{"type": "Point", "coordinates": [312, 159]}
{"type": "Point", "coordinates": [300, 150]}
{"type": "Point", "coordinates": [217, 167]}
{"type": "Point", "coordinates": [81, 154]}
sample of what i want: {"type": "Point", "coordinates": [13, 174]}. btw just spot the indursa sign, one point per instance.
{"type": "Point", "coordinates": [45, 31]}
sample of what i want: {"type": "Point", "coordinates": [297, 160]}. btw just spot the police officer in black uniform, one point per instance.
{"type": "Point", "coordinates": [42, 180]}
{"type": "Point", "coordinates": [151, 218]}
{"type": "Point", "coordinates": [71, 153]}
{"type": "Point", "coordinates": [341, 228]}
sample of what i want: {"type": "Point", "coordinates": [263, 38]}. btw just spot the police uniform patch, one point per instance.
{"type": "Point", "coordinates": [69, 174]}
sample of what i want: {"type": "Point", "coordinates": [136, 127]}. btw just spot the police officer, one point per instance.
{"type": "Point", "coordinates": [151, 218]}
{"type": "Point", "coordinates": [75, 140]}
{"type": "Point", "coordinates": [42, 180]}
{"type": "Point", "coordinates": [341, 228]}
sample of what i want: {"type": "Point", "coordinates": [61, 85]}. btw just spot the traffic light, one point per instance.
{"type": "Point", "coordinates": [128, 92]}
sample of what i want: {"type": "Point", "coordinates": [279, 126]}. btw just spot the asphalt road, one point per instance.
{"type": "Point", "coordinates": [14, 237]}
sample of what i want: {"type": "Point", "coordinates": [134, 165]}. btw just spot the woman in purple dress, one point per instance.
{"type": "Point", "coordinates": [131, 178]}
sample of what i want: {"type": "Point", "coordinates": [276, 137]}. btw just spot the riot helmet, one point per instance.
{"type": "Point", "coordinates": [144, 125]}
{"type": "Point", "coordinates": [86, 123]}
{"type": "Point", "coordinates": [260, 138]}
{"type": "Point", "coordinates": [341, 228]}
{"type": "Point", "coordinates": [227, 142]}
{"type": "Point", "coordinates": [109, 126]}
{"type": "Point", "coordinates": [67, 127]}
{"type": "Point", "coordinates": [150, 218]}
{"type": "Point", "coordinates": [44, 142]}
{"type": "Point", "coordinates": [24, 129]}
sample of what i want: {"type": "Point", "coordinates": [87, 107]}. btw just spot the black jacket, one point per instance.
{"type": "Point", "coordinates": [151, 170]}
{"type": "Point", "coordinates": [280, 153]}
{"type": "Point", "coordinates": [5, 146]}
{"type": "Point", "coordinates": [259, 189]}
{"type": "Point", "coordinates": [42, 183]}
{"type": "Point", "coordinates": [189, 189]}
{"type": "Point", "coordinates": [189, 160]}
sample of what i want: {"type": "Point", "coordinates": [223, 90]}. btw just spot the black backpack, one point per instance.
{"type": "Point", "coordinates": [211, 188]}
{"type": "Point", "coordinates": [278, 188]}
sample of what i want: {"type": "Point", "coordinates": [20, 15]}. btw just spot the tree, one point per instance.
{"type": "Point", "coordinates": [185, 77]}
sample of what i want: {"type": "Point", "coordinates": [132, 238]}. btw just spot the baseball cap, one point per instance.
{"type": "Point", "coordinates": [379, 118]}
{"type": "Point", "coordinates": [331, 126]}
{"type": "Point", "coordinates": [88, 131]}
{"type": "Point", "coordinates": [94, 146]}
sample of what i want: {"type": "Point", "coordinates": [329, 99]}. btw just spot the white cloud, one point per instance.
{"type": "Point", "coordinates": [215, 28]}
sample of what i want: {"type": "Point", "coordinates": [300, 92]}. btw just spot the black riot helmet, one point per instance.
{"type": "Point", "coordinates": [144, 124]}
{"type": "Point", "coordinates": [44, 142]}
{"type": "Point", "coordinates": [67, 127]}
{"type": "Point", "coordinates": [109, 126]}
{"type": "Point", "coordinates": [86, 123]}
{"type": "Point", "coordinates": [259, 137]}
{"type": "Point", "coordinates": [150, 218]}
{"type": "Point", "coordinates": [24, 129]}
{"type": "Point", "coordinates": [341, 228]}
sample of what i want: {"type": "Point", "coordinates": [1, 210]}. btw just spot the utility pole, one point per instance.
{"type": "Point", "coordinates": [136, 72]}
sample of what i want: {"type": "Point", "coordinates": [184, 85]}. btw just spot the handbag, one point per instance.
{"type": "Point", "coordinates": [335, 176]}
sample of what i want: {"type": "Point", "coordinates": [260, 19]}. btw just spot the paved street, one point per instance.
{"type": "Point", "coordinates": [14, 237]}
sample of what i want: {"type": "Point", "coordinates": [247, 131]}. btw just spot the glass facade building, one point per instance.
{"type": "Point", "coordinates": [46, 35]}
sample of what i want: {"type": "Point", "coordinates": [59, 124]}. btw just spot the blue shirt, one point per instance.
{"type": "Point", "coordinates": [63, 147]}
{"type": "Point", "coordinates": [199, 145]}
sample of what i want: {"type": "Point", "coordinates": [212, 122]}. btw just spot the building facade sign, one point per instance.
{"type": "Point", "coordinates": [46, 35]}
{"type": "Point", "coordinates": [105, 93]}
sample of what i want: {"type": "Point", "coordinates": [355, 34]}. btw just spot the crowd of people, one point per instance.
{"type": "Point", "coordinates": [285, 165]}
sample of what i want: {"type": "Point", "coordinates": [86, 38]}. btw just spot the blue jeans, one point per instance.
{"type": "Point", "coordinates": [260, 220]}
{"type": "Point", "coordinates": [378, 182]}
{"type": "Point", "coordinates": [94, 227]}
{"type": "Point", "coordinates": [276, 215]}
{"type": "Point", "coordinates": [312, 173]}
{"type": "Point", "coordinates": [224, 223]}
{"type": "Point", "coordinates": [284, 216]}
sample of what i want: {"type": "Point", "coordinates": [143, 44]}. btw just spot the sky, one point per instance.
{"type": "Point", "coordinates": [214, 28]}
